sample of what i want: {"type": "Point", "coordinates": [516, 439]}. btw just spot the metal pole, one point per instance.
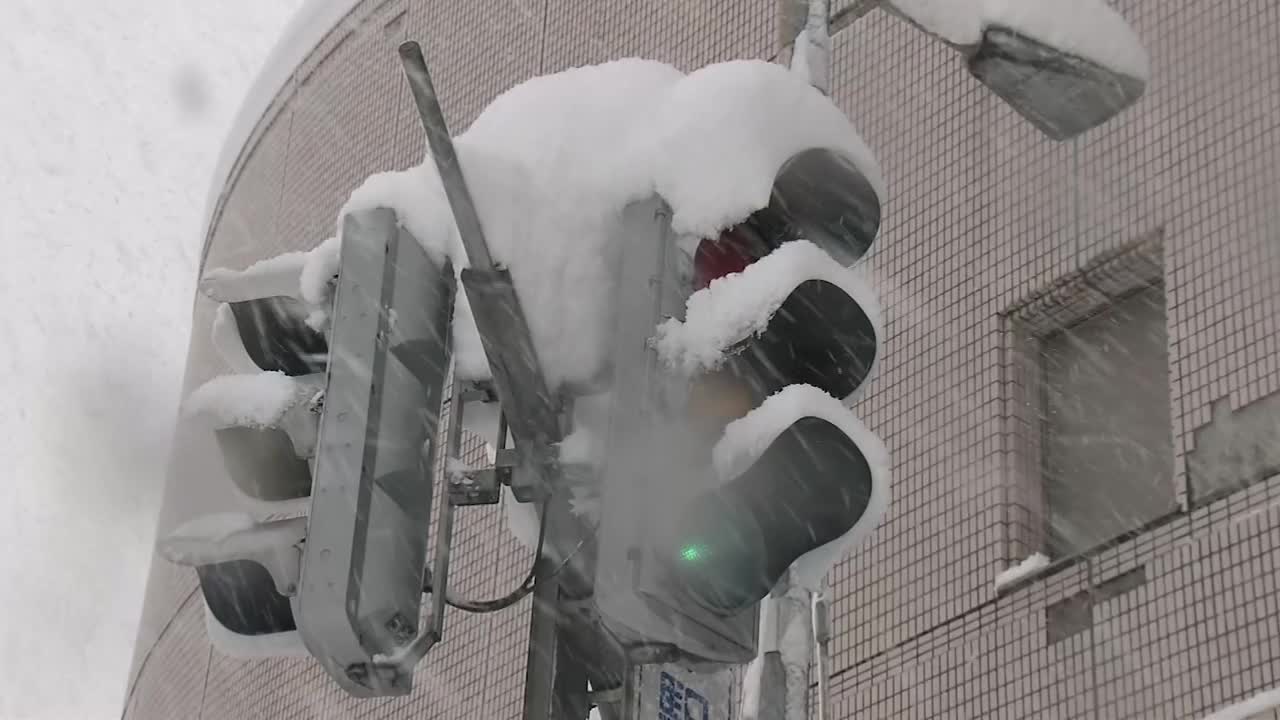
{"type": "Point", "coordinates": [555, 678]}
{"type": "Point", "coordinates": [822, 665]}
{"type": "Point", "coordinates": [444, 530]}
{"type": "Point", "coordinates": [540, 668]}
{"type": "Point", "coordinates": [805, 25]}
{"type": "Point", "coordinates": [455, 186]}
{"type": "Point", "coordinates": [532, 411]}
{"type": "Point", "coordinates": [795, 646]}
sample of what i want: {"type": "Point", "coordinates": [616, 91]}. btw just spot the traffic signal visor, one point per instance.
{"type": "Point", "coordinates": [263, 416]}
{"type": "Point", "coordinates": [799, 479]}
{"type": "Point", "coordinates": [795, 316]}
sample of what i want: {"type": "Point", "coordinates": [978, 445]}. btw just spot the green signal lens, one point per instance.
{"type": "Point", "coordinates": [693, 553]}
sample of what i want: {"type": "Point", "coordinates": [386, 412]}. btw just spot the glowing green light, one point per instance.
{"type": "Point", "coordinates": [693, 553]}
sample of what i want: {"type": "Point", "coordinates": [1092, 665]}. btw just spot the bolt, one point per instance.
{"type": "Point", "coordinates": [400, 628]}
{"type": "Point", "coordinates": [358, 674]}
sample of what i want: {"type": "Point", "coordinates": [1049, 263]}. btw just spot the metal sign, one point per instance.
{"type": "Point", "coordinates": [671, 692]}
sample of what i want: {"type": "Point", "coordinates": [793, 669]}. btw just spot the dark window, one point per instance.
{"type": "Point", "coordinates": [1074, 614]}
{"type": "Point", "coordinates": [1106, 448]}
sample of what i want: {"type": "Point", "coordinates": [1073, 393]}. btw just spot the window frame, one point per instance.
{"type": "Point", "coordinates": [1105, 281]}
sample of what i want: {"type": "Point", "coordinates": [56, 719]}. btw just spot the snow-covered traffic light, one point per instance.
{"type": "Point", "coordinates": [339, 362]}
{"type": "Point", "coordinates": [731, 454]}
{"type": "Point", "coordinates": [263, 415]}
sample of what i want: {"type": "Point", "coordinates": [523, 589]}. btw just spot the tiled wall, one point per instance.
{"type": "Point", "coordinates": [982, 214]}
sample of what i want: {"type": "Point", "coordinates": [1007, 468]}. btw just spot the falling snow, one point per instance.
{"type": "Point", "coordinates": [110, 130]}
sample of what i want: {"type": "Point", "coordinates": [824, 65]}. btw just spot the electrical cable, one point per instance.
{"type": "Point", "coordinates": [515, 596]}
{"type": "Point", "coordinates": [526, 587]}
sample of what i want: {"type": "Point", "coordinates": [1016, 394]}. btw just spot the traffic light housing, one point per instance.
{"type": "Point", "coordinates": [341, 426]}
{"type": "Point", "coordinates": [730, 454]}
{"type": "Point", "coordinates": [730, 546]}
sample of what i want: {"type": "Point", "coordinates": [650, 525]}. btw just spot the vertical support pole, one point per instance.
{"type": "Point", "coordinates": [531, 409]}
{"type": "Point", "coordinates": [792, 15]}
{"type": "Point", "coordinates": [444, 524]}
{"type": "Point", "coordinates": [555, 681]}
{"type": "Point", "coordinates": [540, 668]}
{"type": "Point", "coordinates": [795, 645]}
{"type": "Point", "coordinates": [822, 663]}
{"type": "Point", "coordinates": [805, 31]}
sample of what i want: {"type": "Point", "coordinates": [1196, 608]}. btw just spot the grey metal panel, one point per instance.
{"type": "Point", "coordinates": [656, 461]}
{"type": "Point", "coordinates": [371, 502]}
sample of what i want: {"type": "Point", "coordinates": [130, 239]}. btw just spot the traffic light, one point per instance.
{"type": "Point", "coordinates": [264, 418]}
{"type": "Point", "coordinates": [731, 455]}
{"type": "Point", "coordinates": [341, 426]}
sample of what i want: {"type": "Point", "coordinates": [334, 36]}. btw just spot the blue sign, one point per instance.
{"type": "Point", "coordinates": [677, 701]}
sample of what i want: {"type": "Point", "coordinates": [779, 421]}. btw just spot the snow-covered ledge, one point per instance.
{"type": "Point", "coordinates": [1261, 702]}
{"type": "Point", "coordinates": [1025, 569]}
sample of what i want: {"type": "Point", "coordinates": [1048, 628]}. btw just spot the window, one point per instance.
{"type": "Point", "coordinates": [1106, 452]}
{"type": "Point", "coordinates": [1088, 428]}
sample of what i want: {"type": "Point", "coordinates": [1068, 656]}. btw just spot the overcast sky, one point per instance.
{"type": "Point", "coordinates": [110, 120]}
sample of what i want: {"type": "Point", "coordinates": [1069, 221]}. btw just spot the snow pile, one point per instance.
{"type": "Point", "coordinates": [1090, 29]}
{"type": "Point", "coordinates": [186, 544]}
{"type": "Point", "coordinates": [305, 276]}
{"type": "Point", "coordinates": [552, 162]}
{"type": "Point", "coordinates": [1028, 567]}
{"type": "Point", "coordinates": [257, 400]}
{"type": "Point", "coordinates": [272, 277]}
{"type": "Point", "coordinates": [746, 439]}
{"type": "Point", "coordinates": [225, 536]}
{"type": "Point", "coordinates": [726, 129]}
{"type": "Point", "coordinates": [737, 306]}
{"type": "Point", "coordinates": [316, 280]}
{"type": "Point", "coordinates": [1251, 708]}
{"type": "Point", "coordinates": [220, 537]}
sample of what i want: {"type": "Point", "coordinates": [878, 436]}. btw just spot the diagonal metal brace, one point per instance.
{"type": "Point", "coordinates": [533, 413]}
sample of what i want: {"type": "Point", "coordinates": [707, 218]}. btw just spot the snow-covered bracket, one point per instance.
{"type": "Point", "coordinates": [1066, 67]}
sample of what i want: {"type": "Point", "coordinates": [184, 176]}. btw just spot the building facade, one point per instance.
{"type": "Point", "coordinates": [1083, 360]}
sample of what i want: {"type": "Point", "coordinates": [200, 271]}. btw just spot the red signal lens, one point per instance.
{"type": "Point", "coordinates": [731, 252]}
